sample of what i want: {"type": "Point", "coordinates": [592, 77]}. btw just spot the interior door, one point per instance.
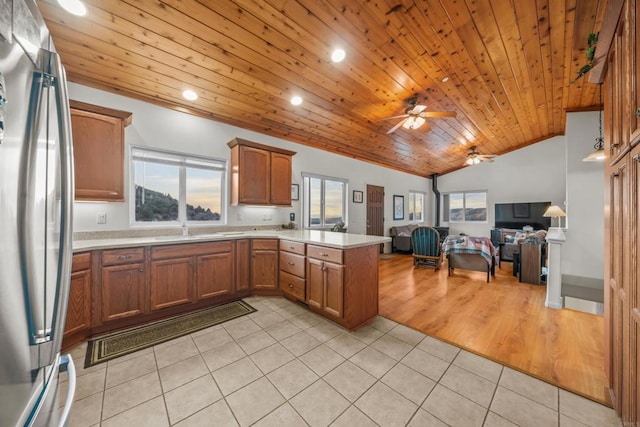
{"type": "Point", "coordinates": [375, 211]}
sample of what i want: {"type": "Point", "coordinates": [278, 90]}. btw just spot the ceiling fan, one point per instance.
{"type": "Point", "coordinates": [414, 116]}
{"type": "Point", "coordinates": [473, 158]}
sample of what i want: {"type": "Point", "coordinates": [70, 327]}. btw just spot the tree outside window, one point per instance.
{"type": "Point", "coordinates": [175, 188]}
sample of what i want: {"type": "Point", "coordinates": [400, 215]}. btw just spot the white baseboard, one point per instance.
{"type": "Point", "coordinates": [584, 305]}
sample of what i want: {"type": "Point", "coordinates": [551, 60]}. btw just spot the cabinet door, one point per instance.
{"type": "Point", "coordinates": [315, 283]}
{"type": "Point", "coordinates": [243, 272]}
{"type": "Point", "coordinates": [214, 275]}
{"type": "Point", "coordinates": [98, 152]}
{"type": "Point", "coordinates": [171, 282]}
{"type": "Point", "coordinates": [79, 308]}
{"type": "Point", "coordinates": [253, 185]}
{"type": "Point", "coordinates": [333, 289]}
{"type": "Point", "coordinates": [634, 58]}
{"type": "Point", "coordinates": [280, 179]}
{"type": "Point", "coordinates": [122, 291]}
{"type": "Point", "coordinates": [264, 269]}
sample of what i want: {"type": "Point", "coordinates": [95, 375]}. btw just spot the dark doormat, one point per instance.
{"type": "Point", "coordinates": [109, 346]}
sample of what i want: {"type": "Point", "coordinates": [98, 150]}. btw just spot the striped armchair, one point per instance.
{"type": "Point", "coordinates": [425, 242]}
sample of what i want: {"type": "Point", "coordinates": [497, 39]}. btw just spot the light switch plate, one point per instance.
{"type": "Point", "coordinates": [101, 218]}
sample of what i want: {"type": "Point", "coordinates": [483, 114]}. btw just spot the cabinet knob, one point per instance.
{"type": "Point", "coordinates": [123, 256]}
{"type": "Point", "coordinates": [324, 254]}
{"type": "Point", "coordinates": [291, 263]}
{"type": "Point", "coordinates": [290, 286]}
{"type": "Point", "coordinates": [141, 269]}
{"type": "Point", "coordinates": [638, 112]}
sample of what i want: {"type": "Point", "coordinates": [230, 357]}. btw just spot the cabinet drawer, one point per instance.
{"type": "Point", "coordinates": [292, 263]}
{"type": "Point", "coordinates": [81, 262]}
{"type": "Point", "coordinates": [292, 285]}
{"type": "Point", "coordinates": [325, 254]}
{"type": "Point", "coordinates": [122, 256]}
{"type": "Point", "coordinates": [264, 244]}
{"type": "Point", "coordinates": [294, 247]}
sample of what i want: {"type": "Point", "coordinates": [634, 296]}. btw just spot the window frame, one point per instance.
{"type": "Point", "coordinates": [306, 200]}
{"type": "Point", "coordinates": [410, 210]}
{"type": "Point", "coordinates": [446, 211]}
{"type": "Point", "coordinates": [183, 161]}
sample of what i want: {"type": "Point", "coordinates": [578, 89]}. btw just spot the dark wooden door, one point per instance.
{"type": "Point", "coordinates": [375, 211]}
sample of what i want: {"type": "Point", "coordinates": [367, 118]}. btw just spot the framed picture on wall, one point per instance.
{"type": "Point", "coordinates": [295, 192]}
{"type": "Point", "coordinates": [357, 196]}
{"type": "Point", "coordinates": [398, 207]}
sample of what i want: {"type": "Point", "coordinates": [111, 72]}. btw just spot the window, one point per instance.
{"type": "Point", "coordinates": [416, 206]}
{"type": "Point", "coordinates": [173, 188]}
{"type": "Point", "coordinates": [469, 206]}
{"type": "Point", "coordinates": [324, 201]}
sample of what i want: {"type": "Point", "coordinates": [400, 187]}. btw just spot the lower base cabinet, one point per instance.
{"type": "Point", "coordinates": [78, 322]}
{"type": "Point", "coordinates": [118, 288]}
{"type": "Point", "coordinates": [325, 286]}
{"type": "Point", "coordinates": [171, 282]}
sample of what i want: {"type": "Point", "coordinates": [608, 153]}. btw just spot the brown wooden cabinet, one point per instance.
{"type": "Point", "coordinates": [293, 269]}
{"type": "Point", "coordinates": [78, 320]}
{"type": "Point", "coordinates": [325, 279]}
{"type": "Point", "coordinates": [264, 264]}
{"type": "Point", "coordinates": [122, 284]}
{"type": "Point", "coordinates": [98, 151]}
{"type": "Point", "coordinates": [243, 260]}
{"type": "Point", "coordinates": [214, 275]}
{"type": "Point", "coordinates": [181, 274]}
{"type": "Point", "coordinates": [260, 175]}
{"type": "Point", "coordinates": [622, 180]}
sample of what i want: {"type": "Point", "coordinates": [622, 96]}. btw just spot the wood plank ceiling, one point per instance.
{"type": "Point", "coordinates": [509, 65]}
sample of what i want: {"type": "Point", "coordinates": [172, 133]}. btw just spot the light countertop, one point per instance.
{"type": "Point", "coordinates": [323, 238]}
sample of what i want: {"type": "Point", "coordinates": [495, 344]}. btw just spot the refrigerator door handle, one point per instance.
{"type": "Point", "coordinates": [66, 195]}
{"type": "Point", "coordinates": [66, 364]}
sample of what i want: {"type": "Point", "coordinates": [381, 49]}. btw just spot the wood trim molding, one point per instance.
{"type": "Point", "coordinates": [125, 116]}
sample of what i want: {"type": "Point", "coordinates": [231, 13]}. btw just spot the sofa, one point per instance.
{"type": "Point", "coordinates": [401, 237]}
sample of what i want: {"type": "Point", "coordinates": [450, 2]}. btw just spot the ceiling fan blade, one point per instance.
{"type": "Point", "coordinates": [395, 117]}
{"type": "Point", "coordinates": [438, 114]}
{"type": "Point", "coordinates": [487, 156]}
{"type": "Point", "coordinates": [393, 129]}
{"type": "Point", "coordinates": [418, 109]}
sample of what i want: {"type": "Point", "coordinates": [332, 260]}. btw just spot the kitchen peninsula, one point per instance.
{"type": "Point", "coordinates": [122, 282]}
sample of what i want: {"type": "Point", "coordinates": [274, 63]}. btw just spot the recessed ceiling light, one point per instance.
{"type": "Point", "coordinates": [190, 95]}
{"type": "Point", "coordinates": [338, 55]}
{"type": "Point", "coordinates": [445, 79]}
{"type": "Point", "coordinates": [296, 100]}
{"type": "Point", "coordinates": [75, 7]}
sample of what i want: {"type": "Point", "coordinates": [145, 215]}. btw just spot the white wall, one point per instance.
{"type": "Point", "coordinates": [583, 251]}
{"type": "Point", "coordinates": [166, 129]}
{"type": "Point", "coordinates": [532, 174]}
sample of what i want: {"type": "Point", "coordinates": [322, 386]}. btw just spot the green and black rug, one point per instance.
{"type": "Point", "coordinates": [109, 346]}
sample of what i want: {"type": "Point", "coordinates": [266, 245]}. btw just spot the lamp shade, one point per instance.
{"type": "Point", "coordinates": [595, 156]}
{"type": "Point", "coordinates": [554, 212]}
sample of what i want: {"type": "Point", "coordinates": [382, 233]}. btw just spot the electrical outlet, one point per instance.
{"type": "Point", "coordinates": [101, 218]}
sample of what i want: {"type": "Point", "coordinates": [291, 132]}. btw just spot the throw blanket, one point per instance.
{"type": "Point", "coordinates": [469, 245]}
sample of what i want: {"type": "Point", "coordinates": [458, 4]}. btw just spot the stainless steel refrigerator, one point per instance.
{"type": "Point", "coordinates": [36, 201]}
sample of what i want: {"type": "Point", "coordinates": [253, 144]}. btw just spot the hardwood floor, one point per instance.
{"type": "Point", "coordinates": [504, 320]}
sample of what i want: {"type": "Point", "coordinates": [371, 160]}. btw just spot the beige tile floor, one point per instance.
{"type": "Point", "coordinates": [285, 366]}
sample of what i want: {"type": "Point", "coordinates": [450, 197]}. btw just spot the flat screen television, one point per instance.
{"type": "Point", "coordinates": [518, 215]}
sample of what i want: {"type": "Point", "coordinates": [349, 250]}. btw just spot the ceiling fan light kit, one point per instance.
{"type": "Point", "coordinates": [474, 157]}
{"type": "Point", "coordinates": [415, 116]}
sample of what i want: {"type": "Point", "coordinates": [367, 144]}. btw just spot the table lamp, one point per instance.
{"type": "Point", "coordinates": [554, 211]}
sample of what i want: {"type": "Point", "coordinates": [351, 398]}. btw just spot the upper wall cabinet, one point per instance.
{"type": "Point", "coordinates": [260, 175]}
{"type": "Point", "coordinates": [98, 151]}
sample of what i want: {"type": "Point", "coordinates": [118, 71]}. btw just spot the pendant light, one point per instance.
{"type": "Point", "coordinates": [598, 153]}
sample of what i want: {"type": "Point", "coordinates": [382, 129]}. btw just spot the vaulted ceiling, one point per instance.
{"type": "Point", "coordinates": [509, 63]}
